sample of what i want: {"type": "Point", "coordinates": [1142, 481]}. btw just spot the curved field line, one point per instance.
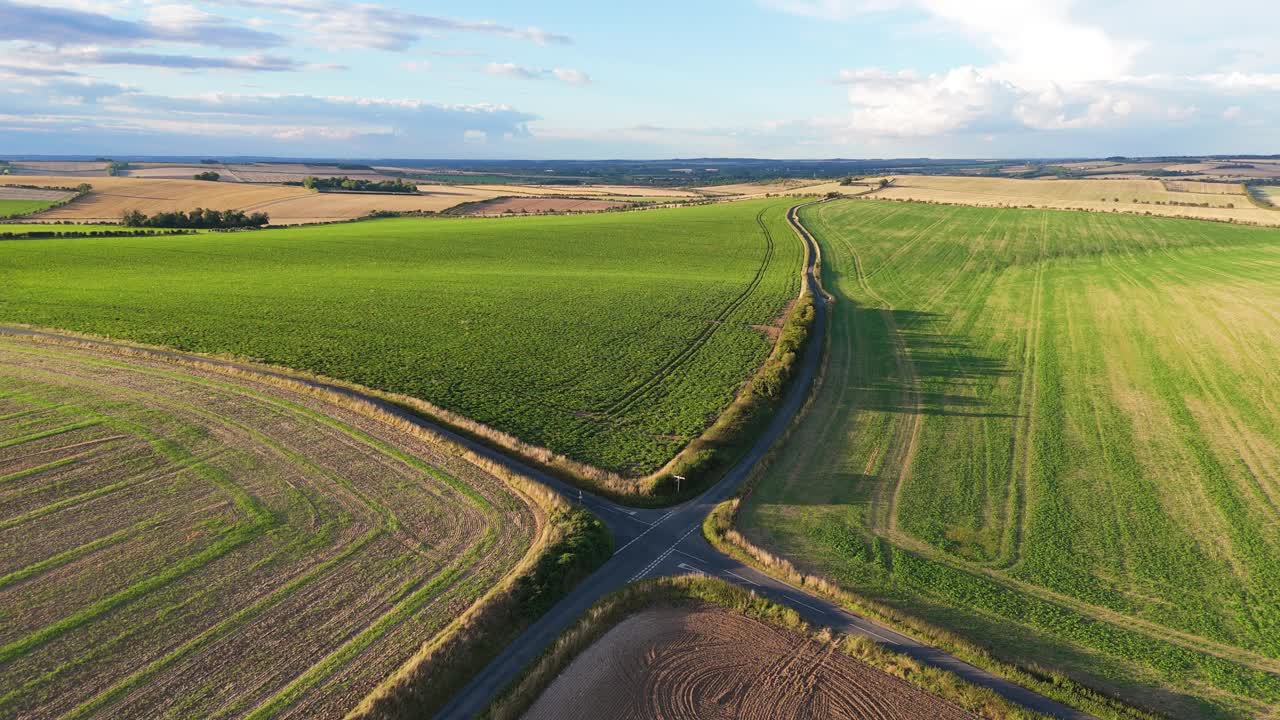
{"type": "Point", "coordinates": [413, 595]}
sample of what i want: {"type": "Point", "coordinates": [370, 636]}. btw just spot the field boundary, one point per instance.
{"type": "Point", "coordinates": [464, 646]}
{"type": "Point", "coordinates": [695, 591]}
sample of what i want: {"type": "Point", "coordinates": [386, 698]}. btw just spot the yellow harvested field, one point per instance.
{"type": "Point", "coordinates": [286, 205]}
{"type": "Point", "coordinates": [578, 190]}
{"type": "Point", "coordinates": [1132, 195]}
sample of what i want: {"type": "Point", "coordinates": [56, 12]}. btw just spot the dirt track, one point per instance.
{"type": "Point", "coordinates": [712, 663]}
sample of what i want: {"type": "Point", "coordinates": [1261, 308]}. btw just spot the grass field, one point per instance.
{"type": "Point", "coordinates": [10, 208]}
{"type": "Point", "coordinates": [176, 542]}
{"type": "Point", "coordinates": [612, 338]}
{"type": "Point", "coordinates": [1056, 432]}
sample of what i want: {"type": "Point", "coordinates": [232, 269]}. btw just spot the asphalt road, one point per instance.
{"type": "Point", "coordinates": [654, 543]}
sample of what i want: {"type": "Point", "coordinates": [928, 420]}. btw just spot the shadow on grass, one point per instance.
{"type": "Point", "coordinates": [951, 376]}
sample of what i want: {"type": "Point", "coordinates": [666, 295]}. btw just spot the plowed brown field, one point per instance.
{"type": "Point", "coordinates": [177, 542]}
{"type": "Point", "coordinates": [712, 663]}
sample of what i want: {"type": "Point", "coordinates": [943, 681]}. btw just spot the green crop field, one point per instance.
{"type": "Point", "coordinates": [1055, 432]}
{"type": "Point", "coordinates": [613, 338]}
{"type": "Point", "coordinates": [9, 208]}
{"type": "Point", "coordinates": [181, 543]}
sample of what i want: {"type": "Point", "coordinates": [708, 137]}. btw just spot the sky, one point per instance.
{"type": "Point", "coordinates": [656, 79]}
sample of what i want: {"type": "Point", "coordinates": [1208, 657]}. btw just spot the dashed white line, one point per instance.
{"type": "Point", "coordinates": [666, 554]}
{"type": "Point", "coordinates": [745, 580]}
{"type": "Point", "coordinates": [695, 558]}
{"type": "Point", "coordinates": [646, 532]}
{"type": "Point", "coordinates": [798, 602]}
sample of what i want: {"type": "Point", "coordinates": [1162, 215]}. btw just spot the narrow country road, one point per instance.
{"type": "Point", "coordinates": [654, 543]}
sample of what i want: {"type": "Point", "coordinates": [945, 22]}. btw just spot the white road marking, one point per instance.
{"type": "Point", "coordinates": [690, 568]}
{"type": "Point", "coordinates": [798, 602]}
{"type": "Point", "coordinates": [745, 580]}
{"type": "Point", "coordinates": [661, 557]}
{"type": "Point", "coordinates": [695, 558]}
{"type": "Point", "coordinates": [646, 532]}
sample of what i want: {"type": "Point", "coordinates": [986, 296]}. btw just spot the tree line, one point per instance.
{"type": "Point", "coordinates": [346, 183]}
{"type": "Point", "coordinates": [198, 219]}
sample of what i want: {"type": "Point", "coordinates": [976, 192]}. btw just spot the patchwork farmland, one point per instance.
{"type": "Point", "coordinates": [179, 542]}
{"type": "Point", "coordinates": [613, 339]}
{"type": "Point", "coordinates": [287, 205]}
{"type": "Point", "coordinates": [1055, 432]}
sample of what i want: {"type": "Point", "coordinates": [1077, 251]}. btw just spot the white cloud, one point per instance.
{"type": "Point", "coordinates": [571, 76]}
{"type": "Point", "coordinates": [1053, 70]}
{"type": "Point", "coordinates": [566, 75]}
{"type": "Point", "coordinates": [1233, 113]}
{"type": "Point", "coordinates": [512, 70]}
{"type": "Point", "coordinates": [905, 104]}
{"type": "Point", "coordinates": [111, 116]}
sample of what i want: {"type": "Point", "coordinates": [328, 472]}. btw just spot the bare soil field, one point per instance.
{"type": "Point", "coordinates": [1130, 195]}
{"type": "Point", "coordinates": [181, 542]}
{"type": "Point", "coordinates": [112, 196]}
{"type": "Point", "coordinates": [712, 663]}
{"type": "Point", "coordinates": [527, 205]}
{"type": "Point", "coordinates": [19, 193]}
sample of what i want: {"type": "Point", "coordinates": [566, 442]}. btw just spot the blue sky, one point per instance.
{"type": "Point", "coordinates": [762, 78]}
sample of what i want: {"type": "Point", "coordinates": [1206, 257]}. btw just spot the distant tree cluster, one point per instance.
{"type": "Point", "coordinates": [346, 183]}
{"type": "Point", "coordinates": [115, 167]}
{"type": "Point", "coordinates": [198, 219]}
{"type": "Point", "coordinates": [207, 175]}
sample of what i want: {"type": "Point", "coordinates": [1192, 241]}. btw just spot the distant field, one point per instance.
{"type": "Point", "coordinates": [539, 205]}
{"type": "Point", "coordinates": [1055, 432]}
{"type": "Point", "coordinates": [1128, 195]}
{"type": "Point", "coordinates": [613, 338]}
{"type": "Point", "coordinates": [10, 208]}
{"type": "Point", "coordinates": [8, 192]}
{"type": "Point", "coordinates": [75, 168]}
{"type": "Point", "coordinates": [790, 186]}
{"type": "Point", "coordinates": [287, 205]}
{"type": "Point", "coordinates": [177, 543]}
{"type": "Point", "coordinates": [1272, 192]}
{"type": "Point", "coordinates": [583, 190]}
{"type": "Point", "coordinates": [1211, 188]}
